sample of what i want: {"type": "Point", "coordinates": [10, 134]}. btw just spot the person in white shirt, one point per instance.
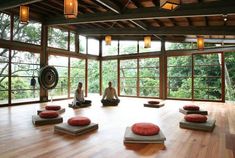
{"type": "Point", "coordinates": [79, 96]}
{"type": "Point", "coordinates": [110, 95]}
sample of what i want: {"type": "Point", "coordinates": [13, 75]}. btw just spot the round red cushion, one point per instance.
{"type": "Point", "coordinates": [79, 121]}
{"type": "Point", "coordinates": [49, 114]}
{"type": "Point", "coordinates": [195, 118]}
{"type": "Point", "coordinates": [145, 129]}
{"type": "Point", "coordinates": [52, 107]}
{"type": "Point", "coordinates": [191, 107]}
{"type": "Point", "coordinates": [153, 102]}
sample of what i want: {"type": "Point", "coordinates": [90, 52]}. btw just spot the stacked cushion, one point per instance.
{"type": "Point", "coordinates": [79, 121]}
{"type": "Point", "coordinates": [49, 114]}
{"type": "Point", "coordinates": [153, 102]}
{"type": "Point", "coordinates": [191, 107]}
{"type": "Point", "coordinates": [197, 118]}
{"type": "Point", "coordinates": [53, 107]}
{"type": "Point", "coordinates": [145, 129]}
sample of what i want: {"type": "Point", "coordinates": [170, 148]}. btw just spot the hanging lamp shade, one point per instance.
{"type": "Point", "coordinates": [24, 14]}
{"type": "Point", "coordinates": [200, 42]}
{"type": "Point", "coordinates": [147, 41]}
{"type": "Point", "coordinates": [169, 4]}
{"type": "Point", "coordinates": [108, 39]}
{"type": "Point", "coordinates": [70, 8]}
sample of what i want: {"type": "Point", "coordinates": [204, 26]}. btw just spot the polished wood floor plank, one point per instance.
{"type": "Point", "coordinates": [20, 138]}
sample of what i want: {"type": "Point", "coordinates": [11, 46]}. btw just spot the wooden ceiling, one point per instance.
{"type": "Point", "coordinates": [132, 19]}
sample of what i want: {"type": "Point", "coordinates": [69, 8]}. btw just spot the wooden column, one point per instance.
{"type": "Point", "coordinates": [192, 69]}
{"type": "Point", "coordinates": [44, 59]}
{"type": "Point", "coordinates": [138, 81]}
{"type": "Point", "coordinates": [223, 77]}
{"type": "Point", "coordinates": [163, 72]}
{"type": "Point", "coordinates": [118, 73]}
{"type": "Point", "coordinates": [100, 66]}
{"type": "Point", "coordinates": [69, 83]}
{"type": "Point", "coordinates": [86, 77]}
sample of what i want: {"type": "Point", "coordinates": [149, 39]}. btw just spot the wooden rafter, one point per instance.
{"type": "Point", "coordinates": [8, 4]}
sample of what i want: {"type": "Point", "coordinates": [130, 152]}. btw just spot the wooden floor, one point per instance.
{"type": "Point", "coordinates": [20, 138]}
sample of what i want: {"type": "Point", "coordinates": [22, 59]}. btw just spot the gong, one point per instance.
{"type": "Point", "coordinates": [48, 77]}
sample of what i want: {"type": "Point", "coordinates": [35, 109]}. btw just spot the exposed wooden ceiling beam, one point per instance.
{"type": "Point", "coordinates": [8, 4]}
{"type": "Point", "coordinates": [177, 30]}
{"type": "Point", "coordinates": [217, 8]}
{"type": "Point", "coordinates": [217, 40]}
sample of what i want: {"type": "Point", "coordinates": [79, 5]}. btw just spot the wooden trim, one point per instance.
{"type": "Point", "coordinates": [100, 76]}
{"type": "Point", "coordinates": [69, 77]}
{"type": "Point", "coordinates": [192, 77]}
{"type": "Point", "coordinates": [68, 37]}
{"type": "Point", "coordinates": [118, 76]}
{"type": "Point", "coordinates": [86, 77]}
{"type": "Point", "coordinates": [77, 45]}
{"type": "Point", "coordinates": [137, 78]}
{"type": "Point", "coordinates": [9, 77]}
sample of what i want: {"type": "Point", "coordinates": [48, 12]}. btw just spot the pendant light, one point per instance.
{"type": "Point", "coordinates": [24, 14]}
{"type": "Point", "coordinates": [169, 4]}
{"type": "Point", "coordinates": [70, 8]}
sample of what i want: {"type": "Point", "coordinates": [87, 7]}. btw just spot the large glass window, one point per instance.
{"type": "Point", "coordinates": [5, 26]}
{"type": "Point", "coordinates": [179, 77]}
{"type": "Point", "coordinates": [155, 46]}
{"type": "Point", "coordinates": [82, 44]}
{"type": "Point", "coordinates": [207, 76]}
{"type": "Point", "coordinates": [108, 50]}
{"type": "Point", "coordinates": [57, 38]}
{"type": "Point", "coordinates": [109, 73]}
{"type": "Point", "coordinates": [229, 74]}
{"type": "Point", "coordinates": [128, 77]}
{"type": "Point", "coordinates": [25, 67]}
{"type": "Point", "coordinates": [4, 65]}
{"type": "Point", "coordinates": [128, 47]}
{"type": "Point", "coordinates": [77, 74]}
{"type": "Point", "coordinates": [30, 33]}
{"type": "Point", "coordinates": [93, 47]}
{"type": "Point", "coordinates": [93, 76]}
{"type": "Point", "coordinates": [61, 65]}
{"type": "Point", "coordinates": [149, 77]}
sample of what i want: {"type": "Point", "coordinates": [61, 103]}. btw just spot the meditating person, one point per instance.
{"type": "Point", "coordinates": [79, 97]}
{"type": "Point", "coordinates": [110, 96]}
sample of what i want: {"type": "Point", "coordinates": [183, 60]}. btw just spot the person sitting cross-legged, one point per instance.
{"type": "Point", "coordinates": [79, 97]}
{"type": "Point", "coordinates": [110, 96]}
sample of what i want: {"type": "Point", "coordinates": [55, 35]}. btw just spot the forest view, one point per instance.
{"type": "Point", "coordinates": [201, 71]}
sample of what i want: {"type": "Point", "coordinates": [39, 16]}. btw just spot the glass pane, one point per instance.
{"type": "Point", "coordinates": [110, 49]}
{"type": "Point", "coordinates": [109, 73]}
{"type": "Point", "coordinates": [57, 38]}
{"type": "Point", "coordinates": [77, 74]}
{"type": "Point", "coordinates": [128, 47]}
{"type": "Point", "coordinates": [207, 76]}
{"type": "Point", "coordinates": [72, 42]}
{"type": "Point", "coordinates": [30, 33]}
{"type": "Point", "coordinates": [93, 76]}
{"type": "Point", "coordinates": [177, 46]}
{"type": "Point", "coordinates": [155, 46]}
{"type": "Point", "coordinates": [24, 96]}
{"type": "Point", "coordinates": [93, 47]}
{"type": "Point", "coordinates": [230, 75]}
{"type": "Point", "coordinates": [61, 65]}
{"type": "Point", "coordinates": [82, 44]}
{"type": "Point", "coordinates": [5, 26]}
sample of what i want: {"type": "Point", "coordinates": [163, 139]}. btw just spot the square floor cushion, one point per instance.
{"type": "Point", "coordinates": [154, 105]}
{"type": "Point", "coordinates": [62, 110]}
{"type": "Point", "coordinates": [37, 120]}
{"type": "Point", "coordinates": [202, 112]}
{"type": "Point", "coordinates": [131, 137]}
{"type": "Point", "coordinates": [209, 125]}
{"type": "Point", "coordinates": [75, 130]}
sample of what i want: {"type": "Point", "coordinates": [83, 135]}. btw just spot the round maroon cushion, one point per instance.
{"type": "Point", "coordinates": [53, 107]}
{"type": "Point", "coordinates": [49, 114]}
{"type": "Point", "coordinates": [79, 121]}
{"type": "Point", "coordinates": [195, 118]}
{"type": "Point", "coordinates": [145, 129]}
{"type": "Point", "coordinates": [153, 102]}
{"type": "Point", "coordinates": [191, 107]}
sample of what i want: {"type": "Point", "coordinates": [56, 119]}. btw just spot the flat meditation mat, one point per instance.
{"type": "Point", "coordinates": [154, 105]}
{"type": "Point", "coordinates": [62, 110]}
{"type": "Point", "coordinates": [131, 137]}
{"type": "Point", "coordinates": [75, 130]}
{"type": "Point", "coordinates": [209, 125]}
{"type": "Point", "coordinates": [37, 120]}
{"type": "Point", "coordinates": [202, 112]}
